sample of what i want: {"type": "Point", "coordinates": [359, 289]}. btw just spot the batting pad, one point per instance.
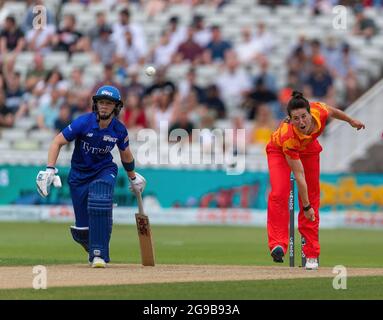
{"type": "Point", "coordinates": [100, 204]}
{"type": "Point", "coordinates": [81, 236]}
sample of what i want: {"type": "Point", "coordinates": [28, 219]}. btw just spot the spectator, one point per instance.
{"type": "Point", "coordinates": [263, 39]}
{"type": "Point", "coordinates": [134, 116]}
{"type": "Point", "coordinates": [101, 24]}
{"type": "Point", "coordinates": [233, 83]}
{"type": "Point", "coordinates": [214, 102]}
{"type": "Point", "coordinates": [37, 73]}
{"type": "Point", "coordinates": [262, 95]}
{"type": "Point", "coordinates": [189, 50]}
{"type": "Point", "coordinates": [319, 7]}
{"type": "Point", "coordinates": [160, 83]}
{"type": "Point", "coordinates": [134, 87]}
{"type": "Point", "coordinates": [263, 126]}
{"type": "Point", "coordinates": [48, 111]}
{"type": "Point", "coordinates": [247, 50]}
{"type": "Point", "coordinates": [315, 50]}
{"type": "Point", "coordinates": [331, 52]}
{"type": "Point", "coordinates": [364, 26]}
{"type": "Point", "coordinates": [77, 86]}
{"type": "Point", "coordinates": [217, 47]}
{"type": "Point", "coordinates": [68, 38]}
{"type": "Point", "coordinates": [177, 33]}
{"type": "Point", "coordinates": [53, 80]}
{"type": "Point", "coordinates": [201, 35]}
{"type": "Point", "coordinates": [163, 109]}
{"type": "Point", "coordinates": [193, 108]}
{"type": "Point", "coordinates": [12, 39]}
{"type": "Point", "coordinates": [136, 33]}
{"type": "Point", "coordinates": [155, 7]}
{"type": "Point", "coordinates": [302, 43]}
{"type": "Point", "coordinates": [189, 84]}
{"type": "Point", "coordinates": [319, 84]}
{"type": "Point", "coordinates": [7, 118]}
{"type": "Point", "coordinates": [299, 64]}
{"type": "Point", "coordinates": [182, 122]}
{"type": "Point", "coordinates": [64, 118]}
{"type": "Point", "coordinates": [346, 70]}
{"type": "Point", "coordinates": [128, 49]}
{"type": "Point", "coordinates": [268, 78]}
{"type": "Point", "coordinates": [162, 53]}
{"type": "Point", "coordinates": [40, 39]}
{"type": "Point", "coordinates": [14, 95]}
{"type": "Point", "coordinates": [103, 47]}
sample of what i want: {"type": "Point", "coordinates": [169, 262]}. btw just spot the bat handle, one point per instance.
{"type": "Point", "coordinates": [139, 202]}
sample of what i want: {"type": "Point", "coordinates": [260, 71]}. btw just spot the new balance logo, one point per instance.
{"type": "Point", "coordinates": [90, 134]}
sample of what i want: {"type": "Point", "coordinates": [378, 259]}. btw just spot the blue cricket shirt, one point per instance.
{"type": "Point", "coordinates": [92, 144]}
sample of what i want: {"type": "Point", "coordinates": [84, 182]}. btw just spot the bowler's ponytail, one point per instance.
{"type": "Point", "coordinates": [298, 101]}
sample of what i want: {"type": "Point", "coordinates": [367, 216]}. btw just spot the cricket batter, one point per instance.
{"type": "Point", "coordinates": [294, 147]}
{"type": "Point", "coordinates": [93, 173]}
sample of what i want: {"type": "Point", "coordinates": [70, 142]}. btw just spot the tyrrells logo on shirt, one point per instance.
{"type": "Point", "coordinates": [94, 150]}
{"type": "Point", "coordinates": [109, 139]}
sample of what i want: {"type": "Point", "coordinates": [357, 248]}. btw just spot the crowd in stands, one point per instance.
{"type": "Point", "coordinates": [53, 100]}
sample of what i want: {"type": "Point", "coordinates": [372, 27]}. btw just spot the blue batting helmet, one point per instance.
{"type": "Point", "coordinates": [109, 93]}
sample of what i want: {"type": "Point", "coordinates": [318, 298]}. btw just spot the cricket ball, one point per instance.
{"type": "Point", "coordinates": [150, 71]}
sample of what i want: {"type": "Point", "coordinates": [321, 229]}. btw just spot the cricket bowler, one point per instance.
{"type": "Point", "coordinates": [294, 147]}
{"type": "Point", "coordinates": [93, 173]}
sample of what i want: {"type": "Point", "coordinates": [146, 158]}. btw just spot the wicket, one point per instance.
{"type": "Point", "coordinates": [292, 227]}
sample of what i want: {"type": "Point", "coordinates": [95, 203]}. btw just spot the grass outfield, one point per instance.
{"type": "Point", "coordinates": [317, 288]}
{"type": "Point", "coordinates": [47, 243]}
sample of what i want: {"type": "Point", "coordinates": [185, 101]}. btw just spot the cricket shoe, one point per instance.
{"type": "Point", "coordinates": [312, 264]}
{"type": "Point", "coordinates": [98, 263]}
{"type": "Point", "coordinates": [277, 254]}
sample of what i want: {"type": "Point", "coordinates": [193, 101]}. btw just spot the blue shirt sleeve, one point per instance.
{"type": "Point", "coordinates": [123, 141]}
{"type": "Point", "coordinates": [73, 130]}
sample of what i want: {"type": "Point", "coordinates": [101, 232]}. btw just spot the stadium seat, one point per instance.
{"type": "Point", "coordinates": [204, 10]}
{"type": "Point", "coordinates": [55, 59]}
{"type": "Point", "coordinates": [72, 8]}
{"type": "Point", "coordinates": [287, 12]}
{"type": "Point", "coordinates": [232, 11]}
{"type": "Point", "coordinates": [5, 145]}
{"type": "Point", "coordinates": [42, 136]}
{"type": "Point", "coordinates": [52, 5]}
{"type": "Point", "coordinates": [259, 12]}
{"type": "Point", "coordinates": [13, 134]}
{"type": "Point", "coordinates": [81, 59]}
{"type": "Point", "coordinates": [25, 58]}
{"type": "Point", "coordinates": [86, 22]}
{"type": "Point", "coordinates": [178, 71]}
{"type": "Point", "coordinates": [14, 8]}
{"type": "Point", "coordinates": [180, 10]}
{"type": "Point", "coordinates": [25, 123]}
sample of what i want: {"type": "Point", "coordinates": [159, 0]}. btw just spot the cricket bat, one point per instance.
{"type": "Point", "coordinates": [144, 234]}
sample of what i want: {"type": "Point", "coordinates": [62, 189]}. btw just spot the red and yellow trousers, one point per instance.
{"type": "Point", "coordinates": [278, 208]}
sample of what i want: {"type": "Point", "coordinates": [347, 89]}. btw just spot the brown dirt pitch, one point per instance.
{"type": "Point", "coordinates": [117, 274]}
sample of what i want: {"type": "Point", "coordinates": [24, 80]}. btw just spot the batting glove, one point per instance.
{"type": "Point", "coordinates": [45, 179]}
{"type": "Point", "coordinates": [138, 184]}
